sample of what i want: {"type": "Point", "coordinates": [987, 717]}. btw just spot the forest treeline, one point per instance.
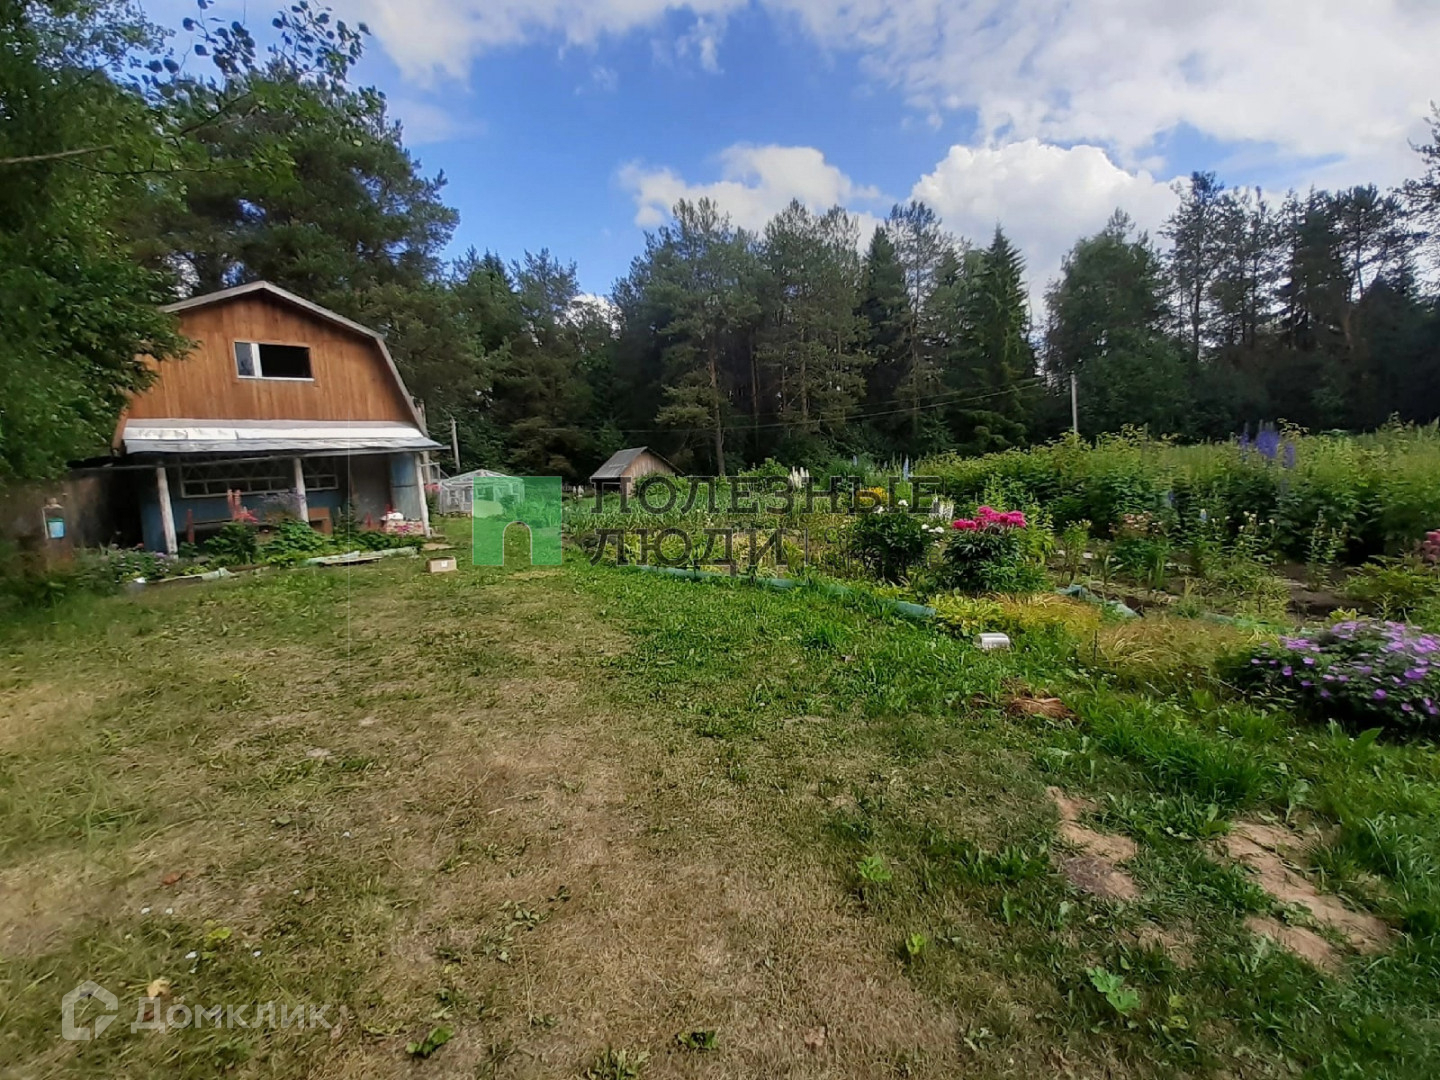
{"type": "Point", "coordinates": [136, 167]}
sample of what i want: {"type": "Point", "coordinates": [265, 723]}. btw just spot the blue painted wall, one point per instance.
{"type": "Point", "coordinates": [215, 508]}
{"type": "Point", "coordinates": [405, 488]}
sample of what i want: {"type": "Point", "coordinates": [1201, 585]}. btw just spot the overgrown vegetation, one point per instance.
{"type": "Point", "coordinates": [1327, 498]}
{"type": "Point", "coordinates": [27, 580]}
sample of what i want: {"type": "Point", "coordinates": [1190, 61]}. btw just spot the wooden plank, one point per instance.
{"type": "Point", "coordinates": [351, 380]}
{"type": "Point", "coordinates": [302, 505]}
{"type": "Point", "coordinates": [167, 511]}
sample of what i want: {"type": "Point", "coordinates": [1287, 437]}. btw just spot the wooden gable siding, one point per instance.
{"type": "Point", "coordinates": [350, 379]}
{"type": "Point", "coordinates": [646, 464]}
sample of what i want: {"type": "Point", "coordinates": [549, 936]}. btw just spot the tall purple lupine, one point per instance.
{"type": "Point", "coordinates": [1267, 442]}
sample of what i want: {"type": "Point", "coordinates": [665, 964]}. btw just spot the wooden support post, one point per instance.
{"type": "Point", "coordinates": [302, 506]}
{"type": "Point", "coordinates": [420, 485]}
{"type": "Point", "coordinates": [167, 512]}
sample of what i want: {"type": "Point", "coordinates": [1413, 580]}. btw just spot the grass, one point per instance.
{"type": "Point", "coordinates": [564, 814]}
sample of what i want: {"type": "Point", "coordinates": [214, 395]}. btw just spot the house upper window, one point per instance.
{"type": "Point", "coordinates": [261, 360]}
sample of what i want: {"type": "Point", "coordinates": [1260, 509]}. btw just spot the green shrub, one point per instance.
{"type": "Point", "coordinates": [1142, 559]}
{"type": "Point", "coordinates": [1247, 586]}
{"type": "Point", "coordinates": [294, 541]}
{"type": "Point", "coordinates": [236, 544]}
{"type": "Point", "coordinates": [889, 542]}
{"type": "Point", "coordinates": [28, 581]}
{"type": "Point", "coordinates": [1394, 587]}
{"type": "Point", "coordinates": [1042, 615]}
{"type": "Point", "coordinates": [966, 616]}
{"type": "Point", "coordinates": [1073, 545]}
{"type": "Point", "coordinates": [988, 555]}
{"type": "Point", "coordinates": [1374, 494]}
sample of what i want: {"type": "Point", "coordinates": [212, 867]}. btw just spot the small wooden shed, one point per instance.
{"type": "Point", "coordinates": [627, 466]}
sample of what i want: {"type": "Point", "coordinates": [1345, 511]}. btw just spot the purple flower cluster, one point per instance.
{"type": "Point", "coordinates": [1363, 671]}
{"type": "Point", "coordinates": [1268, 444]}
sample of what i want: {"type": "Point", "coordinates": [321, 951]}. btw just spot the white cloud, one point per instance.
{"type": "Point", "coordinates": [1313, 78]}
{"type": "Point", "coordinates": [756, 183]}
{"type": "Point", "coordinates": [426, 122]}
{"type": "Point", "coordinates": [603, 80]}
{"type": "Point", "coordinates": [1046, 197]}
{"type": "Point", "coordinates": [427, 38]}
{"type": "Point", "coordinates": [703, 41]}
{"type": "Point", "coordinates": [586, 305]}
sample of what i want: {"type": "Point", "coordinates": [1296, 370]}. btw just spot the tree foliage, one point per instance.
{"type": "Point", "coordinates": [129, 178]}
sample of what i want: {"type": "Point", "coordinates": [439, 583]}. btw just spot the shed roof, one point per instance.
{"type": "Point", "coordinates": [621, 460]}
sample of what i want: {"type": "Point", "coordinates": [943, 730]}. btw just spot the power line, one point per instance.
{"type": "Point", "coordinates": [937, 404]}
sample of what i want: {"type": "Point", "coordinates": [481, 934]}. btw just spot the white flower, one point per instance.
{"type": "Point", "coordinates": [191, 955]}
{"type": "Point", "coordinates": [901, 502]}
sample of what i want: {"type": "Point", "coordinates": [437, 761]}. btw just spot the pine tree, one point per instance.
{"type": "Point", "coordinates": [1194, 230]}
{"type": "Point", "coordinates": [808, 341]}
{"type": "Point", "coordinates": [708, 281]}
{"type": "Point", "coordinates": [886, 325]}
{"type": "Point", "coordinates": [921, 248]}
{"type": "Point", "coordinates": [994, 350]}
{"type": "Point", "coordinates": [542, 398]}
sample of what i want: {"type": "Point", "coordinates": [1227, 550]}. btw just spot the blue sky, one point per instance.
{"type": "Point", "coordinates": [574, 124]}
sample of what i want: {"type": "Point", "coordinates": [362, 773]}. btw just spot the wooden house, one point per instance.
{"type": "Point", "coordinates": [281, 401]}
{"type": "Point", "coordinates": [625, 467]}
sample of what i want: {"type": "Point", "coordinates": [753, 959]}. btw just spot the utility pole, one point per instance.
{"type": "Point", "coordinates": [1074, 407]}
{"type": "Point", "coordinates": [455, 438]}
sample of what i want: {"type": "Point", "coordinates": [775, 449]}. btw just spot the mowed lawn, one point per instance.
{"type": "Point", "coordinates": [594, 822]}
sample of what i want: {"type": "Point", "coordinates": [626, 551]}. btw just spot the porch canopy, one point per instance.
{"type": "Point", "coordinates": [265, 459]}
{"type": "Point", "coordinates": [260, 436]}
